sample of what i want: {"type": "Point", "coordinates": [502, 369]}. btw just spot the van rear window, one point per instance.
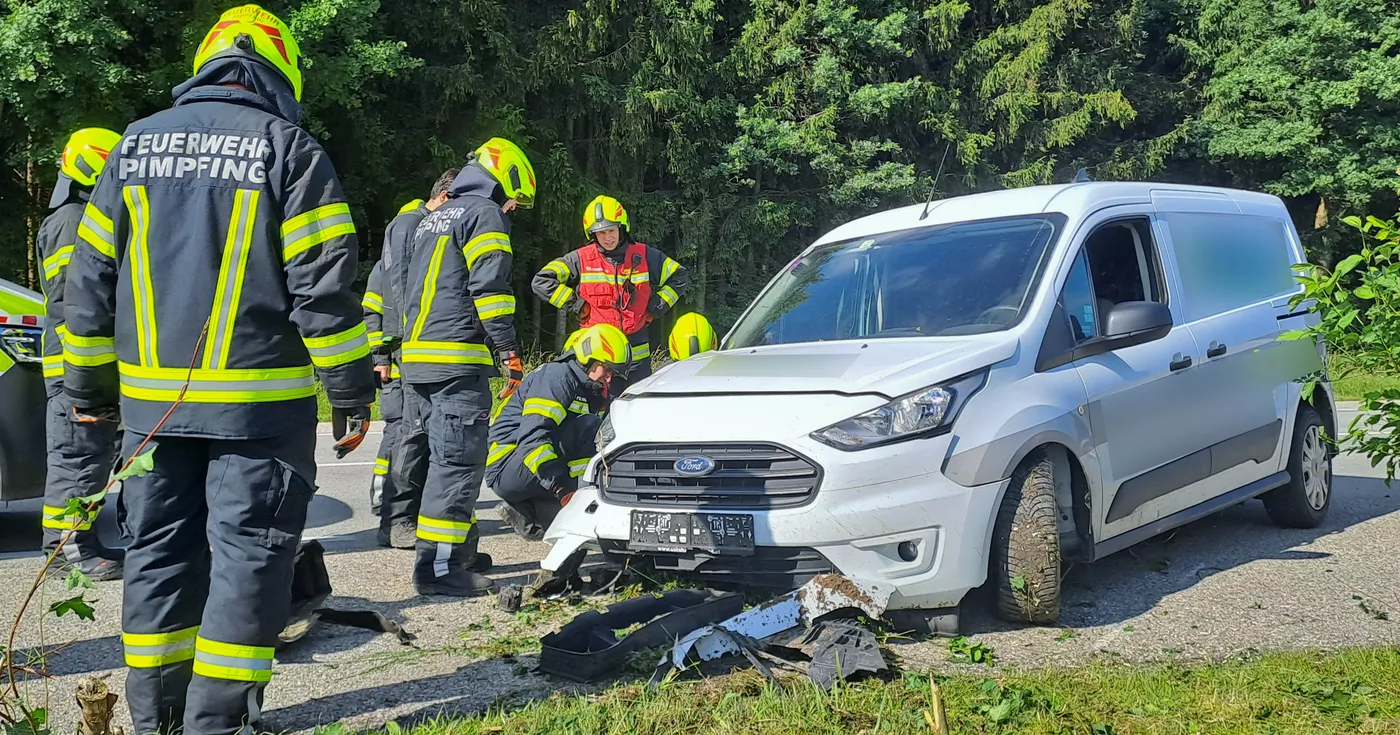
{"type": "Point", "coordinates": [1228, 261]}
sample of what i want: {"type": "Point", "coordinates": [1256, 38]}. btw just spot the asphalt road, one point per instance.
{"type": "Point", "coordinates": [1224, 586]}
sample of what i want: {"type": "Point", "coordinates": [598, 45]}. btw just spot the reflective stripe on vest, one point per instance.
{"type": "Point", "coordinates": [616, 295]}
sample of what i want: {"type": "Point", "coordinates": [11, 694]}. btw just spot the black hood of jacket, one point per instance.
{"type": "Point", "coordinates": [267, 88]}
{"type": "Point", "coordinates": [66, 190]}
{"type": "Point", "coordinates": [476, 181]}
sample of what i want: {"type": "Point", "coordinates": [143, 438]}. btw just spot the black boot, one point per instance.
{"type": "Point", "coordinates": [522, 522]}
{"type": "Point", "coordinates": [95, 569]}
{"type": "Point", "coordinates": [457, 584]}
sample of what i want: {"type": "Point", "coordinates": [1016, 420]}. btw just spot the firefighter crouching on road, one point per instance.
{"type": "Point", "coordinates": [614, 280]}
{"type": "Point", "coordinates": [460, 307]}
{"type": "Point", "coordinates": [217, 237]}
{"type": "Point", "coordinates": [81, 454]}
{"type": "Point", "coordinates": [691, 336]}
{"type": "Point", "coordinates": [543, 437]}
{"type": "Point", "coordinates": [407, 452]}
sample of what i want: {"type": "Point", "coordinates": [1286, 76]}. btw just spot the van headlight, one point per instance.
{"type": "Point", "coordinates": [605, 434]}
{"type": "Point", "coordinates": [922, 412]}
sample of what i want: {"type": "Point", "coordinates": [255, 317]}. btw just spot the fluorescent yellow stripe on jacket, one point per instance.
{"type": "Point", "coordinates": [373, 302]}
{"type": "Point", "coordinates": [578, 466]}
{"type": "Point", "coordinates": [559, 268]}
{"type": "Point", "coordinates": [217, 386]}
{"type": "Point", "coordinates": [53, 366]}
{"type": "Point", "coordinates": [153, 650]}
{"type": "Point", "coordinates": [374, 338]}
{"type": "Point", "coordinates": [561, 296]}
{"type": "Point", "coordinates": [238, 243]}
{"type": "Point", "coordinates": [668, 295]}
{"type": "Point", "coordinates": [444, 531]}
{"type": "Point", "coordinates": [231, 661]}
{"type": "Point", "coordinates": [61, 519]}
{"type": "Point", "coordinates": [492, 307]}
{"type": "Point", "coordinates": [95, 229]}
{"type": "Point", "coordinates": [144, 298]}
{"type": "Point", "coordinates": [539, 456]}
{"type": "Point", "coordinates": [499, 452]}
{"type": "Point", "coordinates": [320, 225]}
{"type": "Point", "coordinates": [88, 351]}
{"type": "Point", "coordinates": [447, 353]}
{"type": "Point", "coordinates": [425, 302]}
{"type": "Point", "coordinates": [53, 265]}
{"type": "Point", "coordinates": [641, 351]}
{"type": "Point", "coordinates": [483, 244]}
{"type": "Point", "coordinates": [548, 408]}
{"type": "Point", "coordinates": [668, 269]}
{"type": "Point", "coordinates": [339, 348]}
{"type": "Point", "coordinates": [381, 465]}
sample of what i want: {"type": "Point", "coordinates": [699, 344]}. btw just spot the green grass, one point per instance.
{"type": "Point", "coordinates": [1353, 387]}
{"type": "Point", "coordinates": [1355, 691]}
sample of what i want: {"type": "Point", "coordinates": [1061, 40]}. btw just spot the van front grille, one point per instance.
{"type": "Point", "coordinates": [744, 477]}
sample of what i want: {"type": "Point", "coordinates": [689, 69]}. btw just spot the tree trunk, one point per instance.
{"type": "Point", "coordinates": [561, 325]}
{"type": "Point", "coordinates": [31, 221]}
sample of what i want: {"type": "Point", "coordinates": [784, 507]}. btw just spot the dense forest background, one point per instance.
{"type": "Point", "coordinates": [736, 131]}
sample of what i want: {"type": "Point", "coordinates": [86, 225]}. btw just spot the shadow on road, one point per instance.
{"type": "Point", "coordinates": [1133, 581]}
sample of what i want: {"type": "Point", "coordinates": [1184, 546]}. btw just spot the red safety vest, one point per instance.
{"type": "Point", "coordinates": [616, 295]}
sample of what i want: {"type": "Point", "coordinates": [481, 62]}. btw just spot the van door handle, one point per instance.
{"type": "Point", "coordinates": [1215, 350]}
{"type": "Point", "coordinates": [1181, 364]}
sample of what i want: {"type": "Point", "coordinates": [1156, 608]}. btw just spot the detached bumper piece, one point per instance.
{"type": "Point", "coordinates": [587, 649]}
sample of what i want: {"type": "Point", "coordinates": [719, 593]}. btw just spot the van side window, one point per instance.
{"type": "Point", "coordinates": [1228, 261]}
{"type": "Point", "coordinates": [1118, 263]}
{"type": "Point", "coordinates": [1077, 300]}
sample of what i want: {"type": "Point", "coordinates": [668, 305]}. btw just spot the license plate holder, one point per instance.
{"type": "Point", "coordinates": [722, 534]}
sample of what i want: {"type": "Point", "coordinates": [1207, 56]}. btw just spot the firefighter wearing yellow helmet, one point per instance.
{"type": "Point", "coordinates": [459, 310]}
{"type": "Point", "coordinates": [80, 455]}
{"type": "Point", "coordinates": [691, 336]}
{"type": "Point", "coordinates": [217, 237]}
{"type": "Point", "coordinates": [614, 280]}
{"type": "Point", "coordinates": [543, 437]}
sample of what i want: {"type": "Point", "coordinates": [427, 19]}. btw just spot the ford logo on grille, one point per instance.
{"type": "Point", "coordinates": [695, 466]}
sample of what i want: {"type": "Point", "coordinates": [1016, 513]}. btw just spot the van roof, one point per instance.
{"type": "Point", "coordinates": [1074, 200]}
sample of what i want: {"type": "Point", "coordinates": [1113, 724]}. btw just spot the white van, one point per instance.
{"type": "Point", "coordinates": [1006, 382]}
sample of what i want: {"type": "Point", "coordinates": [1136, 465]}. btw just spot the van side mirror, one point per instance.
{"type": "Point", "coordinates": [1136, 322]}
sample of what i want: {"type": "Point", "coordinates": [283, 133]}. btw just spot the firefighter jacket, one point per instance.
{"type": "Point", "coordinates": [217, 248]}
{"type": "Point", "coordinates": [53, 249]}
{"type": "Point", "coordinates": [381, 318]}
{"type": "Point", "coordinates": [626, 288]}
{"type": "Point", "coordinates": [397, 258]}
{"type": "Point", "coordinates": [460, 307]}
{"type": "Point", "coordinates": [552, 394]}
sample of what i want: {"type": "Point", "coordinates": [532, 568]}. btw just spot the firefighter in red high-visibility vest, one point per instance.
{"type": "Point", "coordinates": [614, 280]}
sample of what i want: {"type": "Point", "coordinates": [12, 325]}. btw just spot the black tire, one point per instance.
{"type": "Point", "coordinates": [1026, 545]}
{"type": "Point", "coordinates": [1304, 501]}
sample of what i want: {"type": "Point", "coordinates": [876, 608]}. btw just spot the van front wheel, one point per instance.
{"type": "Point", "coordinates": [1026, 545]}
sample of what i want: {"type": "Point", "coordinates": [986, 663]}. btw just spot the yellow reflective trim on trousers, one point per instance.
{"type": "Point", "coordinates": [425, 302]}
{"type": "Point", "coordinates": [62, 520]}
{"type": "Point", "coordinates": [96, 230]}
{"type": "Point", "coordinates": [561, 296]}
{"type": "Point", "coordinates": [381, 466]}
{"type": "Point", "coordinates": [447, 353]}
{"type": "Point", "coordinates": [217, 386]}
{"type": "Point", "coordinates": [559, 268]}
{"type": "Point", "coordinates": [539, 456]}
{"type": "Point", "coordinates": [231, 661]}
{"type": "Point", "coordinates": [339, 348]}
{"type": "Point", "coordinates": [444, 531]}
{"type": "Point", "coordinates": [578, 466]}
{"type": "Point", "coordinates": [53, 265]}
{"type": "Point", "coordinates": [139, 207]}
{"type": "Point", "coordinates": [498, 452]}
{"type": "Point", "coordinates": [238, 243]}
{"type": "Point", "coordinates": [668, 269]}
{"type": "Point", "coordinates": [483, 244]}
{"type": "Point", "coordinates": [491, 307]}
{"type": "Point", "coordinates": [668, 295]}
{"type": "Point", "coordinates": [373, 301]}
{"type": "Point", "coordinates": [153, 650]}
{"type": "Point", "coordinates": [88, 351]}
{"type": "Point", "coordinates": [320, 225]}
{"type": "Point", "coordinates": [546, 407]}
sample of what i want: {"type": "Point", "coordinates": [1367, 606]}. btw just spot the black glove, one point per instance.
{"type": "Point", "coordinates": [349, 426]}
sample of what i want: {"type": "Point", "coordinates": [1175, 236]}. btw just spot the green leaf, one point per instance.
{"type": "Point", "coordinates": [1365, 292]}
{"type": "Point", "coordinates": [76, 579]}
{"type": "Point", "coordinates": [1294, 335]}
{"type": "Point", "coordinates": [1353, 220]}
{"type": "Point", "coordinates": [76, 605]}
{"type": "Point", "coordinates": [1347, 265]}
{"type": "Point", "coordinates": [139, 466]}
{"type": "Point", "coordinates": [1018, 583]}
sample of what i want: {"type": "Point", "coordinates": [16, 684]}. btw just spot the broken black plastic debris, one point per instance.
{"type": "Point", "coordinates": [842, 649]}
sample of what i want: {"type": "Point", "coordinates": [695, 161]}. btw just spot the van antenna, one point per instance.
{"type": "Point", "coordinates": [1081, 177]}
{"type": "Point", "coordinates": [934, 190]}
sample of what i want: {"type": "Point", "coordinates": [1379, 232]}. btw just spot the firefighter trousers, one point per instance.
{"type": "Point", "coordinates": [517, 486]}
{"type": "Point", "coordinates": [408, 460]}
{"type": "Point", "coordinates": [81, 456]}
{"type": "Point", "coordinates": [399, 501]}
{"type": "Point", "coordinates": [214, 529]}
{"type": "Point", "coordinates": [454, 415]}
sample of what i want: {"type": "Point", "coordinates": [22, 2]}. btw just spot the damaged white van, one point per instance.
{"type": "Point", "coordinates": [979, 390]}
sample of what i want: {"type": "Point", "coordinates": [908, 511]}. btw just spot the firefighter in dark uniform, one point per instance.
{"type": "Point", "coordinates": [614, 280]}
{"type": "Point", "coordinates": [543, 437]}
{"type": "Point", "coordinates": [460, 309]}
{"type": "Point", "coordinates": [408, 454]}
{"type": "Point", "coordinates": [81, 454]}
{"type": "Point", "coordinates": [380, 317]}
{"type": "Point", "coordinates": [212, 285]}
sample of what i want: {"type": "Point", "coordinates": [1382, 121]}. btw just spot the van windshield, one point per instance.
{"type": "Point", "coordinates": [959, 278]}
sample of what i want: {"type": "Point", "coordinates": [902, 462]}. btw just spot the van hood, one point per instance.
{"type": "Point", "coordinates": [887, 367]}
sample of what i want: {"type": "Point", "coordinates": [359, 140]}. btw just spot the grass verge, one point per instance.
{"type": "Point", "coordinates": [1356, 691]}
{"type": "Point", "coordinates": [1353, 387]}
